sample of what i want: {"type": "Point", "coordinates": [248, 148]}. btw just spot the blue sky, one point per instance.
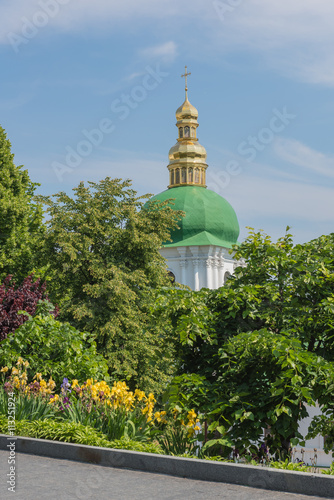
{"type": "Point", "coordinates": [90, 89]}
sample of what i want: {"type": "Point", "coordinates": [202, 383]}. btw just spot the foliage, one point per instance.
{"type": "Point", "coordinates": [53, 349]}
{"type": "Point", "coordinates": [71, 432]}
{"type": "Point", "coordinates": [324, 425]}
{"type": "Point", "coordinates": [262, 347]}
{"type": "Point", "coordinates": [186, 313]}
{"type": "Point", "coordinates": [284, 288]}
{"type": "Point", "coordinates": [102, 248]}
{"type": "Point", "coordinates": [21, 225]}
{"type": "Point", "coordinates": [186, 316]}
{"type": "Point", "coordinates": [290, 289]}
{"type": "Point", "coordinates": [329, 471]}
{"type": "Point", "coordinates": [287, 465]}
{"type": "Point", "coordinates": [263, 381]}
{"type": "Point", "coordinates": [27, 407]}
{"type": "Point", "coordinates": [115, 411]}
{"type": "Point", "coordinates": [175, 441]}
{"type": "Point", "coordinates": [25, 297]}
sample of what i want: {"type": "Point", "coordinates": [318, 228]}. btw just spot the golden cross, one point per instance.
{"type": "Point", "coordinates": [186, 74]}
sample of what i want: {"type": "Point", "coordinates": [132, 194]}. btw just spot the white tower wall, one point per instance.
{"type": "Point", "coordinates": [199, 266]}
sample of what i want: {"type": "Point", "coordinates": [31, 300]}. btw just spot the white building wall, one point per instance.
{"type": "Point", "coordinates": [314, 448]}
{"type": "Point", "coordinates": [199, 266]}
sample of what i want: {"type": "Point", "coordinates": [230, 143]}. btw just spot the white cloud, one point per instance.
{"type": "Point", "coordinates": [293, 37]}
{"type": "Point", "coordinates": [272, 205]}
{"type": "Point", "coordinates": [127, 165]}
{"type": "Point", "coordinates": [135, 75]}
{"type": "Point", "coordinates": [166, 52]}
{"type": "Point", "coordinates": [284, 200]}
{"type": "Point", "coordinates": [75, 15]}
{"type": "Point", "coordinates": [300, 193]}
{"type": "Point", "coordinates": [301, 155]}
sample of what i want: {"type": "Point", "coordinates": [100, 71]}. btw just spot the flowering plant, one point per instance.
{"type": "Point", "coordinates": [114, 410]}
{"type": "Point", "coordinates": [18, 381]}
{"type": "Point", "coordinates": [30, 397]}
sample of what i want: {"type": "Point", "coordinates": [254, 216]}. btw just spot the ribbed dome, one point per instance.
{"type": "Point", "coordinates": [186, 110]}
{"type": "Point", "coordinates": [209, 219]}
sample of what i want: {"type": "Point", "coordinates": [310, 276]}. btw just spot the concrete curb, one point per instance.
{"type": "Point", "coordinates": [245, 475]}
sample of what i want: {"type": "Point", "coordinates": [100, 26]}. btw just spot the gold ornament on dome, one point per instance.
{"type": "Point", "coordinates": [187, 158]}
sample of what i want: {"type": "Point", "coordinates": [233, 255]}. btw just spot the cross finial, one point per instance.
{"type": "Point", "coordinates": [186, 74]}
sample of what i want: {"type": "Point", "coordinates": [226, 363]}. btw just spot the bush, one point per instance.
{"type": "Point", "coordinates": [53, 349]}
{"type": "Point", "coordinates": [71, 432]}
{"type": "Point", "coordinates": [25, 297]}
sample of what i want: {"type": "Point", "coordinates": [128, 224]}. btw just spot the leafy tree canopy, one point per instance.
{"type": "Point", "coordinates": [271, 326]}
{"type": "Point", "coordinates": [102, 247]}
{"type": "Point", "coordinates": [20, 216]}
{"type": "Point", "coordinates": [262, 381]}
{"type": "Point", "coordinates": [287, 289]}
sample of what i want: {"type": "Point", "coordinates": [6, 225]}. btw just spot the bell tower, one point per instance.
{"type": "Point", "coordinates": [187, 158]}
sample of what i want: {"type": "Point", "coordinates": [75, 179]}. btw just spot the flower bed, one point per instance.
{"type": "Point", "coordinates": [111, 410]}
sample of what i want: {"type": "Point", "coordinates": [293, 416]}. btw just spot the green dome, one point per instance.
{"type": "Point", "coordinates": [209, 219]}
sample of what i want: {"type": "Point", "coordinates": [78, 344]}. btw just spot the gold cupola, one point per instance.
{"type": "Point", "coordinates": [187, 158]}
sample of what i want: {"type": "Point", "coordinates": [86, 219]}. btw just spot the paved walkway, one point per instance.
{"type": "Point", "coordinates": [40, 478]}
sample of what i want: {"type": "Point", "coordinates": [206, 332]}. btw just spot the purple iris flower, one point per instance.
{"type": "Point", "coordinates": [65, 386]}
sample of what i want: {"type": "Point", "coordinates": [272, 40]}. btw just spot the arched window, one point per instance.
{"type": "Point", "coordinates": [186, 132]}
{"type": "Point", "coordinates": [184, 176]}
{"type": "Point", "coordinates": [227, 275]}
{"type": "Point", "coordinates": [171, 276]}
{"type": "Point", "coordinates": [196, 176]}
{"type": "Point", "coordinates": [172, 177]}
{"type": "Point", "coordinates": [180, 132]}
{"type": "Point", "coordinates": [191, 175]}
{"type": "Point", "coordinates": [177, 176]}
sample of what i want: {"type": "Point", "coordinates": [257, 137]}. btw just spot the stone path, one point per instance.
{"type": "Point", "coordinates": [40, 478]}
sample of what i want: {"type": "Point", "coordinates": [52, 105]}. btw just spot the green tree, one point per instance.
{"type": "Point", "coordinates": [290, 289]}
{"type": "Point", "coordinates": [102, 247]}
{"type": "Point", "coordinates": [287, 289]}
{"type": "Point", "coordinates": [20, 216]}
{"type": "Point", "coordinates": [271, 325]}
{"type": "Point", "coordinates": [262, 381]}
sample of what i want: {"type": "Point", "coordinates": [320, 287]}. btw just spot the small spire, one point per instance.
{"type": "Point", "coordinates": [186, 74]}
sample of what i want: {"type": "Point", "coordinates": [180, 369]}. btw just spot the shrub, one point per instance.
{"type": "Point", "coordinates": [53, 349]}
{"type": "Point", "coordinates": [71, 432]}
{"type": "Point", "coordinates": [13, 299]}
